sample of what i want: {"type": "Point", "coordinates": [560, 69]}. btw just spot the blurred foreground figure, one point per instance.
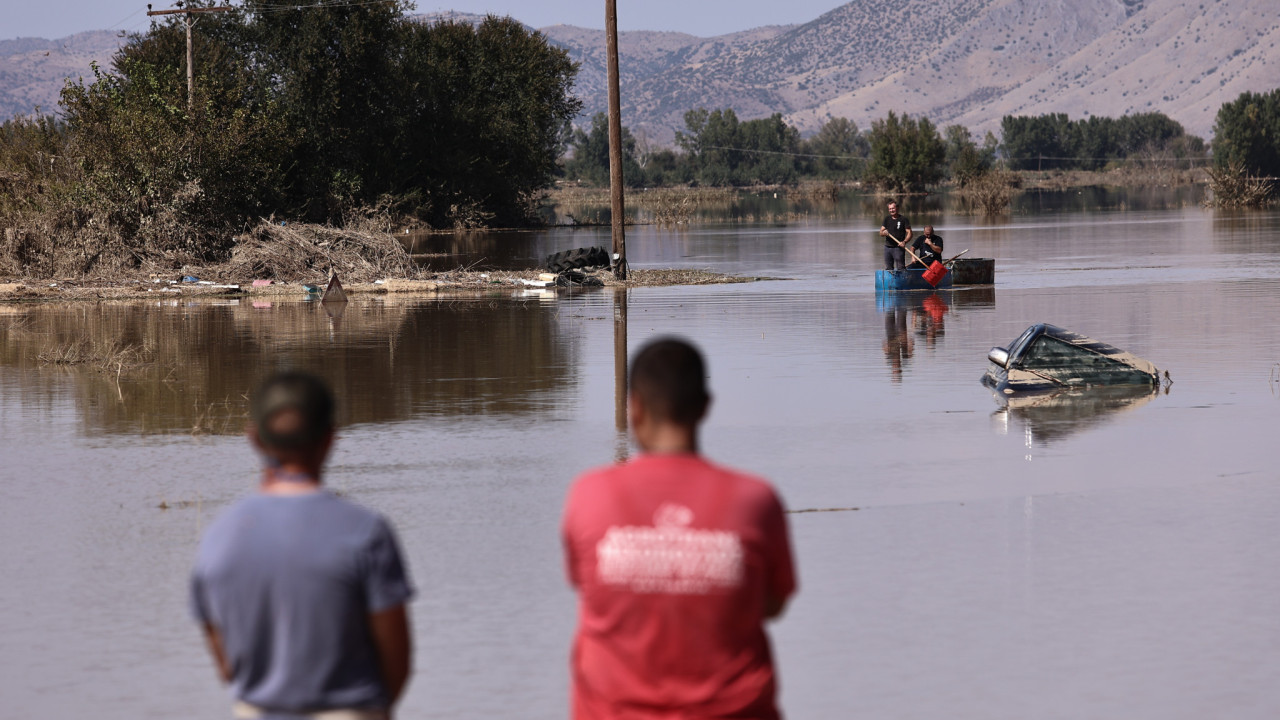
{"type": "Point", "coordinates": [302, 594]}
{"type": "Point", "coordinates": [677, 562]}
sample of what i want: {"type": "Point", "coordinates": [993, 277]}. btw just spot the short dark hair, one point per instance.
{"type": "Point", "coordinates": [303, 393]}
{"type": "Point", "coordinates": [669, 375]}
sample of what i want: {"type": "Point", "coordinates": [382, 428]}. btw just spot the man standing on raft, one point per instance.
{"type": "Point", "coordinates": [896, 231]}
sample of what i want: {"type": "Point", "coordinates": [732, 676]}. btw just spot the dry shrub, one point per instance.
{"type": "Point", "coordinates": [669, 210]}
{"type": "Point", "coordinates": [817, 191]}
{"type": "Point", "coordinates": [304, 252]}
{"type": "Point", "coordinates": [112, 355]}
{"type": "Point", "coordinates": [1234, 187]}
{"type": "Point", "coordinates": [992, 191]}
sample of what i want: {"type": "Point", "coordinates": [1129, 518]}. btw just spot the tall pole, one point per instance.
{"type": "Point", "coordinates": [191, 69]}
{"type": "Point", "coordinates": [617, 207]}
{"type": "Point", "coordinates": [191, 56]}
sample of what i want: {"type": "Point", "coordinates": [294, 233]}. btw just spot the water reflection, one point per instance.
{"type": "Point", "coordinates": [1047, 418]}
{"type": "Point", "coordinates": [921, 316]}
{"type": "Point", "coordinates": [388, 360]}
{"type": "Point", "coordinates": [620, 374]}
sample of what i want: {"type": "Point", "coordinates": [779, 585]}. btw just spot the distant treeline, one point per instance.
{"type": "Point", "coordinates": [1056, 142]}
{"type": "Point", "coordinates": [898, 152]}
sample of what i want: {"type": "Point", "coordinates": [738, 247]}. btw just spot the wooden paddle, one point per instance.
{"type": "Point", "coordinates": [957, 257]}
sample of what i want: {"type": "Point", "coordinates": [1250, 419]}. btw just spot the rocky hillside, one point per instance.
{"type": "Point", "coordinates": [955, 61]}
{"type": "Point", "coordinates": [33, 70]}
{"type": "Point", "coordinates": [965, 61]}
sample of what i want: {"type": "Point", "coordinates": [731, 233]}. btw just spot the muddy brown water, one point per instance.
{"type": "Point", "coordinates": [1092, 557]}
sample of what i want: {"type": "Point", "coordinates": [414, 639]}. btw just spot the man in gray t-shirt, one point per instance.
{"type": "Point", "coordinates": [302, 595]}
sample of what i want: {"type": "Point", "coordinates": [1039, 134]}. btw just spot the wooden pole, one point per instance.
{"type": "Point", "coordinates": [617, 206]}
{"type": "Point", "coordinates": [191, 57]}
{"type": "Point", "coordinates": [191, 69]}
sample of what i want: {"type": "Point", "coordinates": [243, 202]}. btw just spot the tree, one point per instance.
{"type": "Point", "coordinates": [590, 160]}
{"type": "Point", "coordinates": [1246, 134]}
{"type": "Point", "coordinates": [720, 150]}
{"type": "Point", "coordinates": [452, 123]}
{"type": "Point", "coordinates": [838, 150]}
{"type": "Point", "coordinates": [965, 160]}
{"type": "Point", "coordinates": [906, 153]}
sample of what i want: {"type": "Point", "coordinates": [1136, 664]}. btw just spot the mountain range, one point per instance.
{"type": "Point", "coordinates": [955, 61]}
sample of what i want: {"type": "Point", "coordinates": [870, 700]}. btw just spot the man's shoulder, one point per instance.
{"type": "Point", "coordinates": [324, 505]}
{"type": "Point", "coordinates": [689, 468]}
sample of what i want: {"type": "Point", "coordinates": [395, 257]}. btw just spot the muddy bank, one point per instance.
{"type": "Point", "coordinates": [284, 259]}
{"type": "Point", "coordinates": [458, 281]}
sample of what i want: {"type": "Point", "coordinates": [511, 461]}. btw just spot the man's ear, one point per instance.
{"type": "Point", "coordinates": [636, 411]}
{"type": "Point", "coordinates": [251, 432]}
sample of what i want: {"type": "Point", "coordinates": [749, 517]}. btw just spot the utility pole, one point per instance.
{"type": "Point", "coordinates": [617, 208]}
{"type": "Point", "coordinates": [189, 11]}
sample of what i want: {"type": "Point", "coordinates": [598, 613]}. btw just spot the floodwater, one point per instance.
{"type": "Point", "coordinates": [1096, 556]}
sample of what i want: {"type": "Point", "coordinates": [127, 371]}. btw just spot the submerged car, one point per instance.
{"type": "Point", "coordinates": [1046, 357]}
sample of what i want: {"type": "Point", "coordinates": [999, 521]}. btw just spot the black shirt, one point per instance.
{"type": "Point", "coordinates": [926, 255]}
{"type": "Point", "coordinates": [897, 229]}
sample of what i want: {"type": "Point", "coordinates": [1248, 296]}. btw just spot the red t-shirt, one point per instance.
{"type": "Point", "coordinates": [673, 559]}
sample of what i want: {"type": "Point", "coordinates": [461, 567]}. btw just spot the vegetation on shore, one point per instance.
{"type": "Point", "coordinates": [314, 113]}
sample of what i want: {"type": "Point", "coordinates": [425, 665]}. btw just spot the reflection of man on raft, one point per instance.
{"type": "Point", "coordinates": [898, 344]}
{"type": "Point", "coordinates": [928, 248]}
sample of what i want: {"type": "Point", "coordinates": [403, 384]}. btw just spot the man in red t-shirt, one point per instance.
{"type": "Point", "coordinates": [677, 562]}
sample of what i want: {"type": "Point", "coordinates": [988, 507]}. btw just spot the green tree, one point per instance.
{"type": "Point", "coordinates": [590, 161]}
{"type": "Point", "coordinates": [721, 150]}
{"type": "Point", "coordinates": [965, 160]}
{"type": "Point", "coordinates": [837, 151]}
{"type": "Point", "coordinates": [906, 153]}
{"type": "Point", "coordinates": [1246, 134]}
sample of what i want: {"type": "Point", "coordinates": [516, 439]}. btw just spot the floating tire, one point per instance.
{"type": "Point", "coordinates": [577, 258]}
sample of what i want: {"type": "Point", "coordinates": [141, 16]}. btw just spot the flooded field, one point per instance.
{"type": "Point", "coordinates": [958, 556]}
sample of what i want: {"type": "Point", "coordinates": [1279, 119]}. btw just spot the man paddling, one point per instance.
{"type": "Point", "coordinates": [928, 248]}
{"type": "Point", "coordinates": [677, 563]}
{"type": "Point", "coordinates": [896, 231]}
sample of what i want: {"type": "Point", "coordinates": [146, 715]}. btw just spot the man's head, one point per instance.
{"type": "Point", "coordinates": [893, 208]}
{"type": "Point", "coordinates": [928, 230]}
{"type": "Point", "coordinates": [668, 387]}
{"type": "Point", "coordinates": [292, 418]}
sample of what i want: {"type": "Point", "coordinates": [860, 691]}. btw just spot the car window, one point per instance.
{"type": "Point", "coordinates": [1015, 347]}
{"type": "Point", "coordinates": [1071, 365]}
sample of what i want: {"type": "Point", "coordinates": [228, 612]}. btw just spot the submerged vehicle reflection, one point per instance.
{"type": "Point", "coordinates": [1051, 416]}
{"type": "Point", "coordinates": [1046, 357]}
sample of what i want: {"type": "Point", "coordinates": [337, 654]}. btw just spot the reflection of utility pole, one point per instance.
{"type": "Point", "coordinates": [620, 371]}
{"type": "Point", "coordinates": [615, 142]}
{"type": "Point", "coordinates": [191, 73]}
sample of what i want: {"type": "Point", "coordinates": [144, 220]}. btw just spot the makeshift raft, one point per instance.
{"type": "Point", "coordinates": [908, 280]}
{"type": "Point", "coordinates": [964, 271]}
{"type": "Point", "coordinates": [973, 271]}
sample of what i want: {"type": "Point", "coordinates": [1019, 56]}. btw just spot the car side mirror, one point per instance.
{"type": "Point", "coordinates": [999, 356]}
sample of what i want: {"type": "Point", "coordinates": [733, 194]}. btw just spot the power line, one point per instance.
{"type": "Point", "coordinates": [1161, 158]}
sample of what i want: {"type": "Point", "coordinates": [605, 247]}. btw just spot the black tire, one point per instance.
{"type": "Point", "coordinates": [577, 258]}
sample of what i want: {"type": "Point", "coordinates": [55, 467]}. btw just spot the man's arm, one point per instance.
{"type": "Point", "coordinates": [907, 239]}
{"type": "Point", "coordinates": [214, 641]}
{"type": "Point", "coordinates": [391, 639]}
